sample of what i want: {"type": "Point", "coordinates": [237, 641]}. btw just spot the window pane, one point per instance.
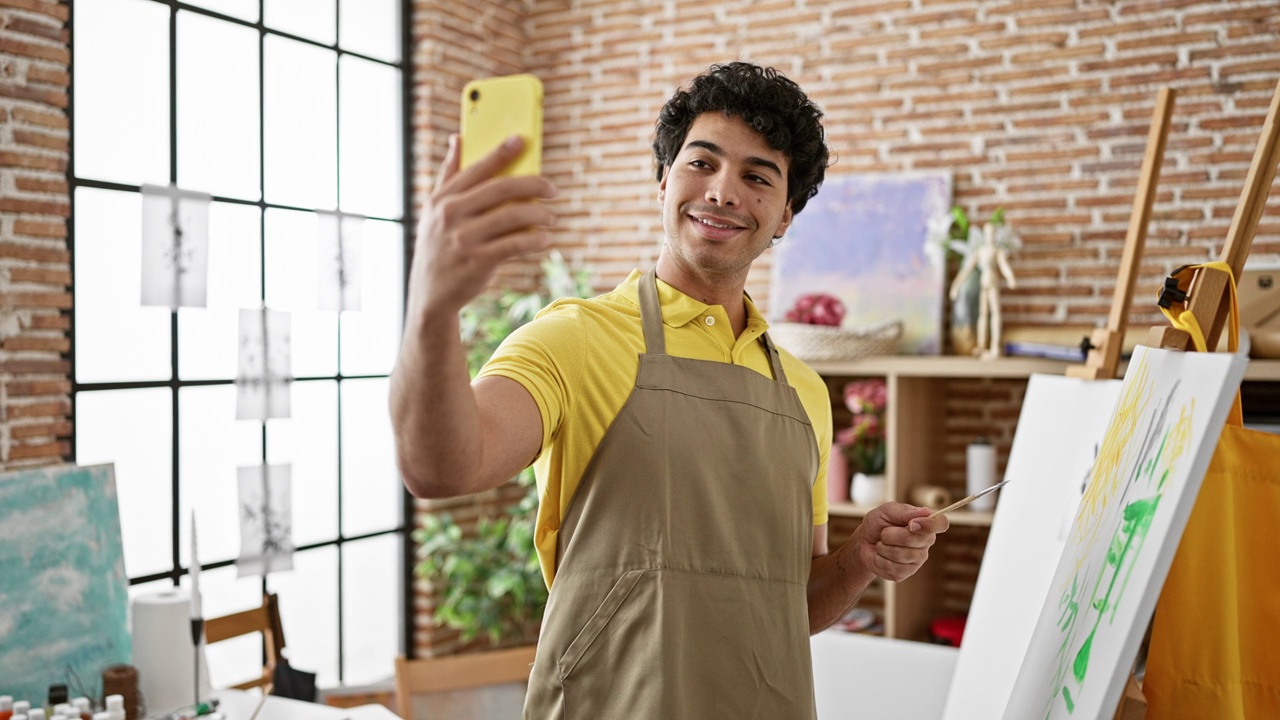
{"type": "Point", "coordinates": [121, 105]}
{"type": "Point", "coordinates": [371, 337]}
{"type": "Point", "coordinates": [371, 487]}
{"type": "Point", "coordinates": [301, 132]}
{"type": "Point", "coordinates": [217, 107]}
{"type": "Point", "coordinates": [222, 593]}
{"type": "Point", "coordinates": [291, 285]}
{"type": "Point", "coordinates": [311, 19]}
{"type": "Point", "coordinates": [133, 430]}
{"type": "Point", "coordinates": [116, 338]}
{"type": "Point", "coordinates": [372, 622]}
{"type": "Point", "coordinates": [370, 27]}
{"type": "Point", "coordinates": [309, 612]}
{"type": "Point", "coordinates": [243, 9]}
{"type": "Point", "coordinates": [309, 441]}
{"type": "Point", "coordinates": [211, 445]}
{"type": "Point", "coordinates": [208, 337]}
{"type": "Point", "coordinates": [372, 178]}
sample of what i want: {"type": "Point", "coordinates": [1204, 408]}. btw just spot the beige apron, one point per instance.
{"type": "Point", "coordinates": [684, 556]}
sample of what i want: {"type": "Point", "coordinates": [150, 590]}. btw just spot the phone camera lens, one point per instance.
{"type": "Point", "coordinates": [475, 95]}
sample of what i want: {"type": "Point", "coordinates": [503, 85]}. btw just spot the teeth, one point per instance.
{"type": "Point", "coordinates": [714, 225]}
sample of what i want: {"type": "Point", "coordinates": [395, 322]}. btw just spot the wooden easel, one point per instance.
{"type": "Point", "coordinates": [1106, 343]}
{"type": "Point", "coordinates": [1205, 296]}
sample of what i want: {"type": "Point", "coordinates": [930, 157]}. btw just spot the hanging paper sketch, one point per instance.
{"type": "Point", "coordinates": [63, 594]}
{"type": "Point", "coordinates": [266, 525]}
{"type": "Point", "coordinates": [338, 261]}
{"type": "Point", "coordinates": [264, 378]}
{"type": "Point", "coordinates": [862, 239]}
{"type": "Point", "coordinates": [1149, 468]}
{"type": "Point", "coordinates": [175, 247]}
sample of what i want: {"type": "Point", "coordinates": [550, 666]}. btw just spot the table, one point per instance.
{"type": "Point", "coordinates": [240, 704]}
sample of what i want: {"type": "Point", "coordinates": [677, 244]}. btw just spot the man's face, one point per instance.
{"type": "Point", "coordinates": [724, 198]}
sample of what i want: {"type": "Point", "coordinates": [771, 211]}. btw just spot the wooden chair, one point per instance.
{"type": "Point", "coordinates": [264, 619]}
{"type": "Point", "coordinates": [459, 672]}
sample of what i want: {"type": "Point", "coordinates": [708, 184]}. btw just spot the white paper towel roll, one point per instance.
{"type": "Point", "coordinates": [981, 457]}
{"type": "Point", "coordinates": [163, 653]}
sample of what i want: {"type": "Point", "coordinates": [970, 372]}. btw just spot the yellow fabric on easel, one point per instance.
{"type": "Point", "coordinates": [1215, 641]}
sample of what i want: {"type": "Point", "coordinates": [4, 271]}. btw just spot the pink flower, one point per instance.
{"type": "Point", "coordinates": [864, 439]}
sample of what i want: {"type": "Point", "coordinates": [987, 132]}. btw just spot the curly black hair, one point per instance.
{"type": "Point", "coordinates": [764, 99]}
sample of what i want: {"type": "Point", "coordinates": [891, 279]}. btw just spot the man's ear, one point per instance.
{"type": "Point", "coordinates": [785, 222]}
{"type": "Point", "coordinates": [662, 187]}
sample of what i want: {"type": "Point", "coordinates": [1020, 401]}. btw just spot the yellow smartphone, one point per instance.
{"type": "Point", "coordinates": [494, 109]}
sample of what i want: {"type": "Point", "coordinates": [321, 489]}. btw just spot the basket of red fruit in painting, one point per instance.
{"type": "Point", "coordinates": [812, 332]}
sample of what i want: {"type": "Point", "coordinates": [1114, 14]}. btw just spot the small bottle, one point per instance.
{"type": "Point", "coordinates": [6, 707]}
{"type": "Point", "coordinates": [115, 707]}
{"type": "Point", "coordinates": [63, 708]}
{"type": "Point", "coordinates": [36, 714]}
{"type": "Point", "coordinates": [21, 707]}
{"type": "Point", "coordinates": [104, 715]}
{"type": "Point", "coordinates": [57, 698]}
{"type": "Point", "coordinates": [83, 708]}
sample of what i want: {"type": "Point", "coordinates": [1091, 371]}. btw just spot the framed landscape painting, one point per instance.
{"type": "Point", "coordinates": [862, 240]}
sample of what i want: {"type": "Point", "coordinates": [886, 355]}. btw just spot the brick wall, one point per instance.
{"type": "Point", "coordinates": [35, 270]}
{"type": "Point", "coordinates": [1041, 107]}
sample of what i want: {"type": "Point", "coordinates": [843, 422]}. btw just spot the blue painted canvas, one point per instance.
{"type": "Point", "coordinates": [862, 239]}
{"type": "Point", "coordinates": [63, 592]}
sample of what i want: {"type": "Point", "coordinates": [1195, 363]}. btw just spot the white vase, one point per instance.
{"type": "Point", "coordinates": [867, 489]}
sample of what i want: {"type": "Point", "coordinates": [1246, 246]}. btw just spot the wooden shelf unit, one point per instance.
{"type": "Point", "coordinates": [917, 388]}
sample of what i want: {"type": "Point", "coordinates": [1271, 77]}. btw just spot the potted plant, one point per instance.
{"type": "Point", "coordinates": [489, 581]}
{"type": "Point", "coordinates": [864, 440]}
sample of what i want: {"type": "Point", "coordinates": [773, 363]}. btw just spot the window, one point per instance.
{"type": "Point", "coordinates": [277, 109]}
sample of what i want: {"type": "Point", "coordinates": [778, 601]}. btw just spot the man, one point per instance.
{"type": "Point", "coordinates": [680, 456]}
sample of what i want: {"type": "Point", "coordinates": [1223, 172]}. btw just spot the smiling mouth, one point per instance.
{"type": "Point", "coordinates": [714, 224]}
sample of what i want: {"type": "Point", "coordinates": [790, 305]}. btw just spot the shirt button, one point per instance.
{"type": "Point", "coordinates": [711, 320]}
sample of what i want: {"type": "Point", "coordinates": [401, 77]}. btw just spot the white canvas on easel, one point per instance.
{"type": "Point", "coordinates": [907, 680]}
{"type": "Point", "coordinates": [1059, 431]}
{"type": "Point", "coordinates": [1156, 450]}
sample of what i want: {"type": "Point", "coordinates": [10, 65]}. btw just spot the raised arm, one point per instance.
{"type": "Point", "coordinates": [454, 437]}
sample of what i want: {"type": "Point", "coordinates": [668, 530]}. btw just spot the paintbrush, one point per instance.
{"type": "Point", "coordinates": [966, 501]}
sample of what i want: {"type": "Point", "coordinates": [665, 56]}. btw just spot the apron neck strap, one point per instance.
{"type": "Point", "coordinates": [774, 358]}
{"type": "Point", "coordinates": [655, 341]}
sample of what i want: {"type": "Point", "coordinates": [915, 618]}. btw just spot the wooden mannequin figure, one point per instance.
{"type": "Point", "coordinates": [986, 255]}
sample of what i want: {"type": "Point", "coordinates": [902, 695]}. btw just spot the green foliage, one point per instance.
{"type": "Point", "coordinates": [490, 581]}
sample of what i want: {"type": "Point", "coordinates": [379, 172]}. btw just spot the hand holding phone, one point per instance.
{"type": "Point", "coordinates": [494, 109]}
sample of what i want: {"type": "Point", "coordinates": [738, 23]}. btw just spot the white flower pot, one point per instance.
{"type": "Point", "coordinates": [868, 489]}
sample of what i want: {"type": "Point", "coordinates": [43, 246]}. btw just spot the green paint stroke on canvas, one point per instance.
{"type": "Point", "coordinates": [1127, 542]}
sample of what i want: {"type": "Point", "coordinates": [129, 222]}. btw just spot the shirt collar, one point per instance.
{"type": "Point", "coordinates": [678, 308]}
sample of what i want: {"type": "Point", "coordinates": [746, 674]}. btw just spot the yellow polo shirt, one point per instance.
{"type": "Point", "coordinates": [579, 359]}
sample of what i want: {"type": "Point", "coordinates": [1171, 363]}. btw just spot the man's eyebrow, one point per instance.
{"type": "Point", "coordinates": [719, 152]}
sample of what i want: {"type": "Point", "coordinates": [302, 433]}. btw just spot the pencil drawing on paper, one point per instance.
{"type": "Point", "coordinates": [266, 525]}
{"type": "Point", "coordinates": [264, 377]}
{"type": "Point", "coordinates": [175, 247]}
{"type": "Point", "coordinates": [338, 262]}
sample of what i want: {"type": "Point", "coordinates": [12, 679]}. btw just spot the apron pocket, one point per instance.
{"type": "Point", "coordinates": [599, 620]}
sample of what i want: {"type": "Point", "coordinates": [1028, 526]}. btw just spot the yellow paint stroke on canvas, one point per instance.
{"type": "Point", "coordinates": [1114, 457]}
